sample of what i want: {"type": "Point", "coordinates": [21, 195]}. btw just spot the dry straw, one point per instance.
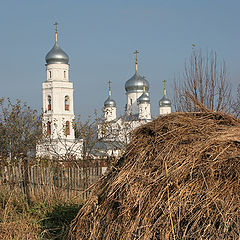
{"type": "Point", "coordinates": [179, 179]}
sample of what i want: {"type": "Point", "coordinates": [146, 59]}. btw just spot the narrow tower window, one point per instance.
{"type": "Point", "coordinates": [67, 128]}
{"type": "Point", "coordinates": [48, 128]}
{"type": "Point", "coordinates": [65, 74]}
{"type": "Point", "coordinates": [49, 103]}
{"type": "Point", "coordinates": [66, 103]}
{"type": "Point", "coordinates": [50, 74]}
{"type": "Point", "coordinates": [131, 101]}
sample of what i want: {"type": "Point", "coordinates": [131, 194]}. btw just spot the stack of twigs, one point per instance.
{"type": "Point", "coordinates": [179, 179]}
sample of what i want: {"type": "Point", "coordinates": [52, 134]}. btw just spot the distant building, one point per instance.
{"type": "Point", "coordinates": [138, 111]}
{"type": "Point", "coordinates": [58, 112]}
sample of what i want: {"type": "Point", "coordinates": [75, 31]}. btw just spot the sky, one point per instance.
{"type": "Point", "coordinates": [100, 38]}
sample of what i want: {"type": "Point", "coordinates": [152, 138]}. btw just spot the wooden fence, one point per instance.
{"type": "Point", "coordinates": [42, 181]}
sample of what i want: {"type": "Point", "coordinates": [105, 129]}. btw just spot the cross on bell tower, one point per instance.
{"type": "Point", "coordinates": [136, 62]}
{"type": "Point", "coordinates": [56, 30]}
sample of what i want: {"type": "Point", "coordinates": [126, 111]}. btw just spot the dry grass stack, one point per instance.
{"type": "Point", "coordinates": [179, 179]}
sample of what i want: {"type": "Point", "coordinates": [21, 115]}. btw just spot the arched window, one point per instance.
{"type": "Point", "coordinates": [66, 103]}
{"type": "Point", "coordinates": [49, 103]}
{"type": "Point", "coordinates": [67, 128]}
{"type": "Point", "coordinates": [131, 101]}
{"type": "Point", "coordinates": [50, 74]}
{"type": "Point", "coordinates": [48, 128]}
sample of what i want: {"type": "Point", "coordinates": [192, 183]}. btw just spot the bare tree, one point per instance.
{"type": "Point", "coordinates": [88, 131]}
{"type": "Point", "coordinates": [98, 133]}
{"type": "Point", "coordinates": [20, 129]}
{"type": "Point", "coordinates": [205, 84]}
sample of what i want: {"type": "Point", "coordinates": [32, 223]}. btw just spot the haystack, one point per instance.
{"type": "Point", "coordinates": [179, 179]}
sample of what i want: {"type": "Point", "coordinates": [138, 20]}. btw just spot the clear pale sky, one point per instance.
{"type": "Point", "coordinates": [100, 38]}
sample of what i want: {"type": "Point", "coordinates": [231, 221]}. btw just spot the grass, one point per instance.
{"type": "Point", "coordinates": [46, 218]}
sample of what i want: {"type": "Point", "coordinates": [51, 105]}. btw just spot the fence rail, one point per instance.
{"type": "Point", "coordinates": [65, 181]}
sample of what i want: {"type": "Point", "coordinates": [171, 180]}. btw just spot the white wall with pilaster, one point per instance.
{"type": "Point", "coordinates": [144, 111]}
{"type": "Point", "coordinates": [57, 72]}
{"type": "Point", "coordinates": [110, 113]}
{"type": "Point", "coordinates": [165, 110]}
{"type": "Point", "coordinates": [132, 97]}
{"type": "Point", "coordinates": [58, 87]}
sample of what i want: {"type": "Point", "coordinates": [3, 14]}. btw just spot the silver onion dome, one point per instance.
{"type": "Point", "coordinates": [109, 102]}
{"type": "Point", "coordinates": [165, 102]}
{"type": "Point", "coordinates": [144, 98]}
{"type": "Point", "coordinates": [136, 84]}
{"type": "Point", "coordinates": [56, 55]}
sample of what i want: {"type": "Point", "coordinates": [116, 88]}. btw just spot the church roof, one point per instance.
{"type": "Point", "coordinates": [108, 145]}
{"type": "Point", "coordinates": [165, 102]}
{"type": "Point", "coordinates": [144, 98]}
{"type": "Point", "coordinates": [136, 83]}
{"type": "Point", "coordinates": [109, 102]}
{"type": "Point", "coordinates": [56, 55]}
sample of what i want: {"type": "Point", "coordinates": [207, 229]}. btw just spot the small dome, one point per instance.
{"type": "Point", "coordinates": [56, 55]}
{"type": "Point", "coordinates": [136, 84]}
{"type": "Point", "coordinates": [144, 98]}
{"type": "Point", "coordinates": [109, 102]}
{"type": "Point", "coordinates": [165, 102]}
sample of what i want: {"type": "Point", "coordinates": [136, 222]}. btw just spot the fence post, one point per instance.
{"type": "Point", "coordinates": [26, 180]}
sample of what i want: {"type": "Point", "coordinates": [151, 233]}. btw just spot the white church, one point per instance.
{"type": "Point", "coordinates": [58, 111]}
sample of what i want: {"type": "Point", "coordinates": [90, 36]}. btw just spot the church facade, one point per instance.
{"type": "Point", "coordinates": [58, 110]}
{"type": "Point", "coordinates": [116, 131]}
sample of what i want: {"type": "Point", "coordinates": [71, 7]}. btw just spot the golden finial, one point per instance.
{"type": "Point", "coordinates": [164, 91]}
{"type": "Point", "coordinates": [109, 88]}
{"type": "Point", "coordinates": [136, 53]}
{"type": "Point", "coordinates": [55, 24]}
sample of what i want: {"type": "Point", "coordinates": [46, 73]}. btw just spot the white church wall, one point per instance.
{"type": "Point", "coordinates": [60, 149]}
{"type": "Point", "coordinates": [165, 110]}
{"type": "Point", "coordinates": [144, 111]}
{"type": "Point", "coordinates": [132, 106]}
{"type": "Point", "coordinates": [57, 72]}
{"type": "Point", "coordinates": [110, 113]}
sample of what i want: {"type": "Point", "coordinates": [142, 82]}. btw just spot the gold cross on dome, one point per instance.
{"type": "Point", "coordinates": [164, 91]}
{"type": "Point", "coordinates": [136, 53]}
{"type": "Point", "coordinates": [109, 87]}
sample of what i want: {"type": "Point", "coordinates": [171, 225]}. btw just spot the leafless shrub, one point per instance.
{"type": "Point", "coordinates": [204, 81]}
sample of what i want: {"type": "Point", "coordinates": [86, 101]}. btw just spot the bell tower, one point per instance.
{"type": "Point", "coordinates": [58, 112]}
{"type": "Point", "coordinates": [57, 98]}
